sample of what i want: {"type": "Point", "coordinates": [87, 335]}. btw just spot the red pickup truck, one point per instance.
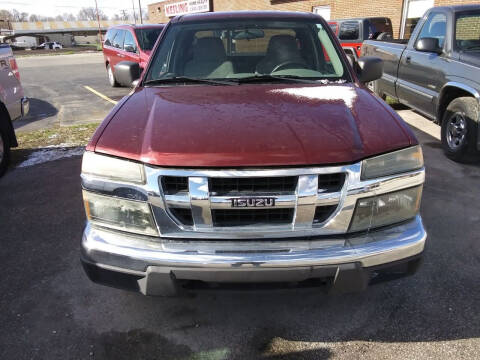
{"type": "Point", "coordinates": [129, 42]}
{"type": "Point", "coordinates": [245, 155]}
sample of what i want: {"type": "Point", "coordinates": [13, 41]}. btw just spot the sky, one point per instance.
{"type": "Point", "coordinates": [58, 7]}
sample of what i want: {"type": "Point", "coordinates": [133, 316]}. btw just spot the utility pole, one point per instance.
{"type": "Point", "coordinates": [134, 16]}
{"type": "Point", "coordinates": [140, 11]}
{"type": "Point", "coordinates": [98, 21]}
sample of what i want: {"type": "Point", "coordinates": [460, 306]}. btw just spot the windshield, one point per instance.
{"type": "Point", "coordinates": [467, 31]}
{"type": "Point", "coordinates": [147, 37]}
{"type": "Point", "coordinates": [245, 49]}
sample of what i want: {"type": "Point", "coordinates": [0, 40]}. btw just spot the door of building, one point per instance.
{"type": "Point", "coordinates": [413, 10]}
{"type": "Point", "coordinates": [323, 11]}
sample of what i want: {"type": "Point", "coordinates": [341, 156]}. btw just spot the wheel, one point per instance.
{"type": "Point", "coordinates": [459, 130]}
{"type": "Point", "coordinates": [111, 77]}
{"type": "Point", "coordinates": [4, 152]}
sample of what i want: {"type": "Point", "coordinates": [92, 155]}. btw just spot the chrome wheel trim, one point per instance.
{"type": "Point", "coordinates": [456, 131]}
{"type": "Point", "coordinates": [2, 152]}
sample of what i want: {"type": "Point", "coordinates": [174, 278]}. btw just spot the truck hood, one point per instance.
{"type": "Point", "coordinates": [252, 125]}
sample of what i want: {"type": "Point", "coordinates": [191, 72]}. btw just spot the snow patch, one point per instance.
{"type": "Point", "coordinates": [333, 93]}
{"type": "Point", "coordinates": [51, 153]}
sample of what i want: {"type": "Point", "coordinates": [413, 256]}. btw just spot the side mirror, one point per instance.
{"type": "Point", "coordinates": [369, 68]}
{"type": "Point", "coordinates": [429, 44]}
{"type": "Point", "coordinates": [130, 48]}
{"type": "Point", "coordinates": [126, 72]}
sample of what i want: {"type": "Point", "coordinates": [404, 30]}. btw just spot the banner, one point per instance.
{"type": "Point", "coordinates": [187, 7]}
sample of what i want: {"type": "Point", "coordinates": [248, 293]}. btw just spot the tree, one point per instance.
{"type": "Point", "coordinates": [33, 18]}
{"type": "Point", "coordinates": [6, 15]}
{"type": "Point", "coordinates": [90, 13]}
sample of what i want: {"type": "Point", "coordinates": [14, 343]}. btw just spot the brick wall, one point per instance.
{"type": "Point", "coordinates": [339, 8]}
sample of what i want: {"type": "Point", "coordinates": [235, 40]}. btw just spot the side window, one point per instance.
{"type": "Point", "coordinates": [129, 42]}
{"type": "Point", "coordinates": [435, 27]}
{"type": "Point", "coordinates": [109, 37]}
{"type": "Point", "coordinates": [349, 30]}
{"type": "Point", "coordinates": [118, 39]}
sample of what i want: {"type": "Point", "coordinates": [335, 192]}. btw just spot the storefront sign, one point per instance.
{"type": "Point", "coordinates": [187, 7]}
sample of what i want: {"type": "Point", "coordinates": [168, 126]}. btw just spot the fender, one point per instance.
{"type": "Point", "coordinates": [468, 89]}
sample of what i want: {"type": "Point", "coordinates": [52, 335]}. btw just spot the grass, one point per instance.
{"type": "Point", "coordinates": [391, 101]}
{"type": "Point", "coordinates": [68, 136]}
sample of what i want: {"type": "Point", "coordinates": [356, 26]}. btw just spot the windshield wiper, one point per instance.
{"type": "Point", "coordinates": [186, 79]}
{"type": "Point", "coordinates": [269, 77]}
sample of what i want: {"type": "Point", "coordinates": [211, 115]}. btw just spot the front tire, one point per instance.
{"type": "Point", "coordinates": [460, 130]}
{"type": "Point", "coordinates": [111, 77]}
{"type": "Point", "coordinates": [4, 152]}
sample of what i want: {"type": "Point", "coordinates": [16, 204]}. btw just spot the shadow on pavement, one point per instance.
{"type": "Point", "coordinates": [39, 110]}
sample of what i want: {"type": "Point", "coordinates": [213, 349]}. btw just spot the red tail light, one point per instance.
{"type": "Point", "coordinates": [14, 67]}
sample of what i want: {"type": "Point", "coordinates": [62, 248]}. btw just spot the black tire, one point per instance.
{"type": "Point", "coordinates": [460, 130]}
{"type": "Point", "coordinates": [4, 152]}
{"type": "Point", "coordinates": [111, 77]}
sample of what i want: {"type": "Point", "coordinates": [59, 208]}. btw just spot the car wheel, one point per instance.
{"type": "Point", "coordinates": [459, 130]}
{"type": "Point", "coordinates": [4, 152]}
{"type": "Point", "coordinates": [111, 77]}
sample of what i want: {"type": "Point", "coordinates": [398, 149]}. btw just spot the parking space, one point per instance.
{"type": "Point", "coordinates": [56, 88]}
{"type": "Point", "coordinates": [50, 310]}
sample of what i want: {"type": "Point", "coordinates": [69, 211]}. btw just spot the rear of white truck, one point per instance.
{"type": "Point", "coordinates": [13, 103]}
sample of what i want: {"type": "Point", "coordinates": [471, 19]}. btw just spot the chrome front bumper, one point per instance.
{"type": "Point", "coordinates": [155, 266]}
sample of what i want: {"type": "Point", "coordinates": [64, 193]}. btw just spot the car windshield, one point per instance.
{"type": "Point", "coordinates": [243, 50]}
{"type": "Point", "coordinates": [467, 31]}
{"type": "Point", "coordinates": [147, 37]}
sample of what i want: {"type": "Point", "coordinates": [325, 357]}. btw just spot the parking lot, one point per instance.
{"type": "Point", "coordinates": [50, 310]}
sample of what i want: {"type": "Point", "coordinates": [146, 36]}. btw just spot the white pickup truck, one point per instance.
{"type": "Point", "coordinates": [13, 103]}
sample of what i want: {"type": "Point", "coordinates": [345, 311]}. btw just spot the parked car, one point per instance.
{"type": "Point", "coordinates": [13, 103]}
{"type": "Point", "coordinates": [245, 156]}
{"type": "Point", "coordinates": [353, 32]}
{"type": "Point", "coordinates": [129, 42]}
{"type": "Point", "coordinates": [437, 74]}
{"type": "Point", "coordinates": [50, 45]}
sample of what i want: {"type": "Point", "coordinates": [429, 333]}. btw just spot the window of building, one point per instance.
{"type": "Point", "coordinates": [412, 13]}
{"type": "Point", "coordinates": [349, 30]}
{"type": "Point", "coordinates": [323, 11]}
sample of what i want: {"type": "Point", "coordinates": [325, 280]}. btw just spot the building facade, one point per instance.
{"type": "Point", "coordinates": [403, 13]}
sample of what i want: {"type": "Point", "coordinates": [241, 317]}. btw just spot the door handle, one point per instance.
{"type": "Point", "coordinates": [408, 59]}
{"type": "Point", "coordinates": [120, 55]}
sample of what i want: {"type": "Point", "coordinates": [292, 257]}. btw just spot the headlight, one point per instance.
{"type": "Point", "coordinates": [386, 209]}
{"type": "Point", "coordinates": [408, 159]}
{"type": "Point", "coordinates": [119, 214]}
{"type": "Point", "coordinates": [112, 168]}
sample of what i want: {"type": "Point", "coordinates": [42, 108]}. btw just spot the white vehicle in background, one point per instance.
{"type": "Point", "coordinates": [51, 45]}
{"type": "Point", "coordinates": [13, 103]}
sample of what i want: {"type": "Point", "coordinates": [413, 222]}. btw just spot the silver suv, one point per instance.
{"type": "Point", "coordinates": [13, 103]}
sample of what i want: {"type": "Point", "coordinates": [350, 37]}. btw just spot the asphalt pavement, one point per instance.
{"type": "Point", "coordinates": [55, 85]}
{"type": "Point", "coordinates": [50, 310]}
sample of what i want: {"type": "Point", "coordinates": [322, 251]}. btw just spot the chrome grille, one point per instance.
{"type": "Point", "coordinates": [174, 184]}
{"type": "Point", "coordinates": [266, 185]}
{"type": "Point", "coordinates": [232, 218]}
{"type": "Point", "coordinates": [184, 206]}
